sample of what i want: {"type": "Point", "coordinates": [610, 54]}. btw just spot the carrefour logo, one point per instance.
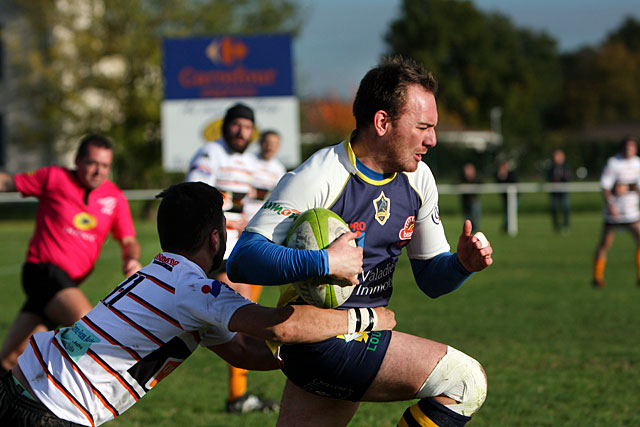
{"type": "Point", "coordinates": [227, 51]}
{"type": "Point", "coordinates": [85, 221]}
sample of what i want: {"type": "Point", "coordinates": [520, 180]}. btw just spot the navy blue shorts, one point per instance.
{"type": "Point", "coordinates": [336, 367]}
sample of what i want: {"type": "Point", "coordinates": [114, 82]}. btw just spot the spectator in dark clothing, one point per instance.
{"type": "Point", "coordinates": [471, 206]}
{"type": "Point", "coordinates": [559, 172]}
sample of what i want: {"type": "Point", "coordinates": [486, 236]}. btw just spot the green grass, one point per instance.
{"type": "Point", "coordinates": [556, 351]}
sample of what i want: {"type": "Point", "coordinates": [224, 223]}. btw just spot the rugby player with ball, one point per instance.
{"type": "Point", "coordinates": [376, 182]}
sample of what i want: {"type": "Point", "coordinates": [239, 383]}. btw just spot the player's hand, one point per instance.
{"type": "Point", "coordinates": [345, 260]}
{"type": "Point", "coordinates": [386, 318]}
{"type": "Point", "coordinates": [130, 266]}
{"type": "Point", "coordinates": [471, 254]}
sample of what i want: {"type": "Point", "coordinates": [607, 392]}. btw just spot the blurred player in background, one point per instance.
{"type": "Point", "coordinates": [620, 183]}
{"type": "Point", "coordinates": [559, 172]}
{"type": "Point", "coordinates": [148, 325]}
{"type": "Point", "coordinates": [376, 181]}
{"type": "Point", "coordinates": [77, 209]}
{"type": "Point", "coordinates": [225, 164]}
{"type": "Point", "coordinates": [471, 205]}
{"type": "Point", "coordinates": [268, 171]}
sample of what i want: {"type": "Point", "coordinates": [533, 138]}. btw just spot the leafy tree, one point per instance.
{"type": "Point", "coordinates": [482, 61]}
{"type": "Point", "coordinates": [95, 66]}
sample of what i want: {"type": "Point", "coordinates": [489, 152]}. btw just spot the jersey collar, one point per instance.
{"type": "Point", "coordinates": [364, 173]}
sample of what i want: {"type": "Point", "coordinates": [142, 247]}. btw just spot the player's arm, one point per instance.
{"type": "Point", "coordinates": [247, 352]}
{"type": "Point", "coordinates": [6, 182]}
{"type": "Point", "coordinates": [304, 323]}
{"type": "Point", "coordinates": [257, 260]}
{"type": "Point", "coordinates": [130, 255]}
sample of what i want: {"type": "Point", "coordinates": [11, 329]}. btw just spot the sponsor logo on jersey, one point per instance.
{"type": "Point", "coordinates": [435, 216]}
{"type": "Point", "coordinates": [280, 210]}
{"type": "Point", "coordinates": [407, 231]}
{"type": "Point", "coordinates": [359, 228]}
{"type": "Point", "coordinates": [374, 340]}
{"type": "Point", "coordinates": [77, 340]}
{"type": "Point", "coordinates": [382, 206]}
{"type": "Point", "coordinates": [85, 221]}
{"type": "Point", "coordinates": [107, 205]}
{"type": "Point", "coordinates": [165, 262]}
{"type": "Point", "coordinates": [213, 288]}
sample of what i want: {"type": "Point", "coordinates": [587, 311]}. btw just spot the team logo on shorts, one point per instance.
{"type": "Point", "coordinates": [407, 231]}
{"type": "Point", "coordinates": [85, 221]}
{"type": "Point", "coordinates": [382, 206]}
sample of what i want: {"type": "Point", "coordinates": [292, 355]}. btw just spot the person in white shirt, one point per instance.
{"type": "Point", "coordinates": [94, 370]}
{"type": "Point", "coordinates": [620, 184]}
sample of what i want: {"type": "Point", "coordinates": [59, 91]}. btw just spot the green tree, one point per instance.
{"type": "Point", "coordinates": [95, 66]}
{"type": "Point", "coordinates": [482, 61]}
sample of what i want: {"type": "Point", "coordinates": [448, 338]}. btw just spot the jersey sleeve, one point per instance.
{"type": "Point", "coordinates": [123, 224]}
{"type": "Point", "coordinates": [203, 167]}
{"type": "Point", "coordinates": [608, 177]}
{"type": "Point", "coordinates": [208, 305]}
{"type": "Point", "coordinates": [428, 239]}
{"type": "Point", "coordinates": [32, 183]}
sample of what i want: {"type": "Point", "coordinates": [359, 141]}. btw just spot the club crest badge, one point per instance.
{"type": "Point", "coordinates": [382, 206]}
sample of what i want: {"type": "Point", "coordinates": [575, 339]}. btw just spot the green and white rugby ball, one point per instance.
{"type": "Point", "coordinates": [316, 229]}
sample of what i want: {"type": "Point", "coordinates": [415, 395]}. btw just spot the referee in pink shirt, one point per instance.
{"type": "Point", "coordinates": [77, 210]}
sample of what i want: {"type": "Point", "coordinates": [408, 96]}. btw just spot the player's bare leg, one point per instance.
{"type": "Point", "coordinates": [25, 325]}
{"type": "Point", "coordinates": [300, 408]}
{"type": "Point", "coordinates": [451, 386]}
{"type": "Point", "coordinates": [65, 308]}
{"type": "Point", "coordinates": [600, 259]}
{"type": "Point", "coordinates": [635, 231]}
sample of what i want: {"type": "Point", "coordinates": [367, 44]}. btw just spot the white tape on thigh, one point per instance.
{"type": "Point", "coordinates": [459, 377]}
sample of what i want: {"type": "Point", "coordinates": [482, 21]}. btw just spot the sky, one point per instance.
{"type": "Point", "coordinates": [342, 39]}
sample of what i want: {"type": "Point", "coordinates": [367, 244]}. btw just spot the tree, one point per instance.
{"type": "Point", "coordinates": [94, 65]}
{"type": "Point", "coordinates": [482, 61]}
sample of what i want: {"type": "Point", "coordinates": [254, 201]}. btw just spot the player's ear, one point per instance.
{"type": "Point", "coordinates": [381, 122]}
{"type": "Point", "coordinates": [214, 240]}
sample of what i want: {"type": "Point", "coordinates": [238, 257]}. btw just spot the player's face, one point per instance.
{"type": "Point", "coordinates": [94, 168]}
{"type": "Point", "coordinates": [630, 149]}
{"type": "Point", "coordinates": [413, 133]}
{"type": "Point", "coordinates": [238, 134]}
{"type": "Point", "coordinates": [270, 146]}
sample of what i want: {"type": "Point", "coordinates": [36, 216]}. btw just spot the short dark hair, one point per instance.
{"type": "Point", "coordinates": [187, 214]}
{"type": "Point", "coordinates": [266, 133]}
{"type": "Point", "coordinates": [94, 140]}
{"type": "Point", "coordinates": [625, 139]}
{"type": "Point", "coordinates": [385, 88]}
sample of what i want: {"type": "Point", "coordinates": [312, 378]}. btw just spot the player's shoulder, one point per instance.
{"type": "Point", "coordinates": [422, 179]}
{"type": "Point", "coordinates": [327, 160]}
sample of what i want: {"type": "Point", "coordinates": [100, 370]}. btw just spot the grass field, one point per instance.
{"type": "Point", "coordinates": [556, 351]}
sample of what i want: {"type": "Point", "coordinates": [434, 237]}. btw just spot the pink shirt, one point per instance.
{"type": "Point", "coordinates": [70, 233]}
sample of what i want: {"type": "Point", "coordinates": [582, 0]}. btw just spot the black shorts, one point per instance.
{"type": "Point", "coordinates": [41, 282]}
{"type": "Point", "coordinates": [336, 367]}
{"type": "Point", "coordinates": [21, 411]}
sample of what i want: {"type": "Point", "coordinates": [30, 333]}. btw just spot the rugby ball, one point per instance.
{"type": "Point", "coordinates": [316, 229]}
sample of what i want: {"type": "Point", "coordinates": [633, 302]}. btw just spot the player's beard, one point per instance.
{"type": "Point", "coordinates": [219, 256]}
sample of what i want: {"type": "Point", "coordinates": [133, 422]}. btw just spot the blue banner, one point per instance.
{"type": "Point", "coordinates": [228, 67]}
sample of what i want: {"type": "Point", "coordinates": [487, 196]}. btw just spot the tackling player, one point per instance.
{"type": "Point", "coordinates": [620, 184]}
{"type": "Point", "coordinates": [77, 210]}
{"type": "Point", "coordinates": [148, 325]}
{"type": "Point", "coordinates": [376, 181]}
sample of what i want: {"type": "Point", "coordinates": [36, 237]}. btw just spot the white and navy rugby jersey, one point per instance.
{"type": "Point", "coordinates": [95, 370]}
{"type": "Point", "coordinates": [622, 177]}
{"type": "Point", "coordinates": [388, 214]}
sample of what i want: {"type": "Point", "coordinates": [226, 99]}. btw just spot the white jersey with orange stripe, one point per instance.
{"type": "Point", "coordinates": [93, 371]}
{"type": "Point", "coordinates": [621, 176]}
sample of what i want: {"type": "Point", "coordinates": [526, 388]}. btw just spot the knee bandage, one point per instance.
{"type": "Point", "coordinates": [459, 377]}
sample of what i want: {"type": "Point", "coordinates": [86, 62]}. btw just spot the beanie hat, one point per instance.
{"type": "Point", "coordinates": [237, 111]}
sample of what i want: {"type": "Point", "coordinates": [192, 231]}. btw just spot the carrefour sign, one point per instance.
{"type": "Point", "coordinates": [228, 67]}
